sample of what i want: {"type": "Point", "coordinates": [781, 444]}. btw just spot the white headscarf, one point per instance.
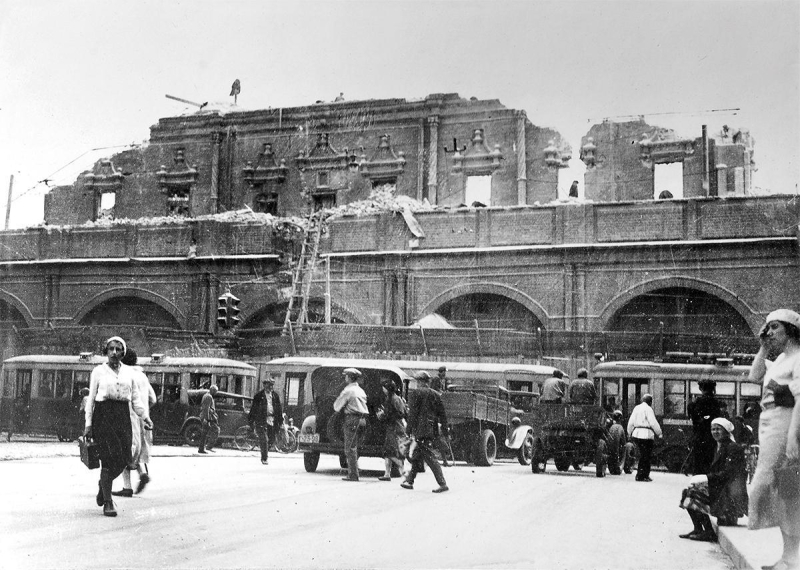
{"type": "Point", "coordinates": [119, 340]}
{"type": "Point", "coordinates": [725, 424]}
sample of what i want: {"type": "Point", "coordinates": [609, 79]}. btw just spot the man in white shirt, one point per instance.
{"type": "Point", "coordinates": [353, 403]}
{"type": "Point", "coordinates": [643, 428]}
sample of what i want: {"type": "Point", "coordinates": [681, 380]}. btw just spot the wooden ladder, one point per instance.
{"type": "Point", "coordinates": [303, 274]}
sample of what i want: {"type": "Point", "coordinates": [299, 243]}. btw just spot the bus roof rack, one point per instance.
{"type": "Point", "coordinates": [157, 357]}
{"type": "Point", "coordinates": [677, 357]}
{"type": "Point", "coordinates": [85, 355]}
{"type": "Point", "coordinates": [724, 361]}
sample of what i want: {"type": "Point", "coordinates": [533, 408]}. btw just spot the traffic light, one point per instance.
{"type": "Point", "coordinates": [228, 311]}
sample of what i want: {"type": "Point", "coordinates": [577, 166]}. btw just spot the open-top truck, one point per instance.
{"type": "Point", "coordinates": [569, 434]}
{"type": "Point", "coordinates": [480, 417]}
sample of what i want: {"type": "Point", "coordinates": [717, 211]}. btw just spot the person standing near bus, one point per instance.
{"type": "Point", "coordinates": [702, 412]}
{"type": "Point", "coordinates": [112, 392]}
{"type": "Point", "coordinates": [582, 390]}
{"type": "Point", "coordinates": [425, 413]}
{"type": "Point", "coordinates": [778, 432]}
{"type": "Point", "coordinates": [353, 403]}
{"type": "Point", "coordinates": [643, 428]}
{"type": "Point", "coordinates": [141, 436]}
{"type": "Point", "coordinates": [553, 389]}
{"type": "Point", "coordinates": [266, 416]}
{"type": "Point", "coordinates": [208, 420]}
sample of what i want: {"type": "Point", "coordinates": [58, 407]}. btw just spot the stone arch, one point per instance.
{"type": "Point", "coordinates": [15, 303]}
{"type": "Point", "coordinates": [499, 289]}
{"type": "Point", "coordinates": [262, 312]}
{"type": "Point", "coordinates": [158, 300]}
{"type": "Point", "coordinates": [725, 295]}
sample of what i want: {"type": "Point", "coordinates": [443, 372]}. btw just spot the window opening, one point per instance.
{"type": "Point", "coordinates": [107, 202]}
{"type": "Point", "coordinates": [668, 178]}
{"type": "Point", "coordinates": [479, 189]}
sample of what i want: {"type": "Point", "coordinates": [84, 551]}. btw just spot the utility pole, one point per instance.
{"type": "Point", "coordinates": [8, 204]}
{"type": "Point", "coordinates": [328, 290]}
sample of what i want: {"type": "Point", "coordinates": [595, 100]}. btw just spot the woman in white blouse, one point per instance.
{"type": "Point", "coordinates": [778, 431]}
{"type": "Point", "coordinates": [112, 392]}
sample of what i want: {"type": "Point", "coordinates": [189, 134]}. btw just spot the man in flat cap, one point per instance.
{"type": "Point", "coordinates": [266, 416]}
{"type": "Point", "coordinates": [353, 403]}
{"type": "Point", "coordinates": [425, 412]}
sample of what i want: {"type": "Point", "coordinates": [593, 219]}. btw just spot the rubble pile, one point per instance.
{"type": "Point", "coordinates": [380, 200]}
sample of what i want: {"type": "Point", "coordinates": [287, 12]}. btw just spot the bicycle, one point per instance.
{"type": "Point", "coordinates": [246, 439]}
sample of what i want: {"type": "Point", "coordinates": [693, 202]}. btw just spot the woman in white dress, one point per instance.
{"type": "Point", "coordinates": [778, 431]}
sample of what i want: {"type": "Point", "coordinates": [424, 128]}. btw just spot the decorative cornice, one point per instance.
{"type": "Point", "coordinates": [266, 169]}
{"type": "Point", "coordinates": [477, 160]}
{"type": "Point", "coordinates": [385, 165]}
{"type": "Point", "coordinates": [180, 176]}
{"type": "Point", "coordinates": [557, 157]}
{"type": "Point", "coordinates": [106, 178]}
{"type": "Point", "coordinates": [325, 157]}
{"type": "Point", "coordinates": [662, 146]}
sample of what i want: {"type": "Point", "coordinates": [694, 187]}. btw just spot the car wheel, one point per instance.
{"type": "Point", "coordinates": [600, 459]}
{"type": "Point", "coordinates": [538, 457]}
{"type": "Point", "coordinates": [191, 433]}
{"type": "Point", "coordinates": [310, 461]}
{"type": "Point", "coordinates": [485, 448]}
{"type": "Point", "coordinates": [525, 453]}
{"type": "Point", "coordinates": [562, 463]}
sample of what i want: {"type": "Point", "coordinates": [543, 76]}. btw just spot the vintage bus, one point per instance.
{"type": "Point", "coordinates": [291, 376]}
{"type": "Point", "coordinates": [43, 392]}
{"type": "Point", "coordinates": [673, 385]}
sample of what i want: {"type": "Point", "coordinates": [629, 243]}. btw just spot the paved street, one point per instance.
{"type": "Point", "coordinates": [228, 511]}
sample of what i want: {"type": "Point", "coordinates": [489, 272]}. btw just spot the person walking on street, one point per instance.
{"type": "Point", "coordinates": [643, 428]}
{"type": "Point", "coordinates": [112, 392]}
{"type": "Point", "coordinates": [702, 411]}
{"type": "Point", "coordinates": [141, 436]}
{"type": "Point", "coordinates": [582, 390]}
{"type": "Point", "coordinates": [208, 420]}
{"type": "Point", "coordinates": [393, 413]}
{"type": "Point", "coordinates": [778, 434]}
{"type": "Point", "coordinates": [353, 403]}
{"type": "Point", "coordinates": [553, 389]}
{"type": "Point", "coordinates": [266, 416]}
{"type": "Point", "coordinates": [425, 413]}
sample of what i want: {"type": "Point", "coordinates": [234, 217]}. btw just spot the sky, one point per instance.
{"type": "Point", "coordinates": [84, 75]}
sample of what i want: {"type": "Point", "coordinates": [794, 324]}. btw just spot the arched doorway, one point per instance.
{"type": "Point", "coordinates": [274, 314]}
{"type": "Point", "coordinates": [680, 310]}
{"type": "Point", "coordinates": [129, 310]}
{"type": "Point", "coordinates": [10, 319]}
{"type": "Point", "coordinates": [490, 310]}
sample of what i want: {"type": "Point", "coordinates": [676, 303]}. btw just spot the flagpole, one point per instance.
{"type": "Point", "coordinates": [8, 204]}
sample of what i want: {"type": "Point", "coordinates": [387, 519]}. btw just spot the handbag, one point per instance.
{"type": "Point", "coordinates": [787, 479]}
{"type": "Point", "coordinates": [90, 452]}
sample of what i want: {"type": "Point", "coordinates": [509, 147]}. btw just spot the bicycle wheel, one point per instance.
{"type": "Point", "coordinates": [245, 439]}
{"type": "Point", "coordinates": [285, 441]}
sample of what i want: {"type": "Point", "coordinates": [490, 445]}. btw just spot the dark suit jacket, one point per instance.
{"type": "Point", "coordinates": [425, 412]}
{"type": "Point", "coordinates": [258, 411]}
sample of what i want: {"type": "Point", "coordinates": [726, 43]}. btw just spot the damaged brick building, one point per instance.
{"type": "Point", "coordinates": [494, 246]}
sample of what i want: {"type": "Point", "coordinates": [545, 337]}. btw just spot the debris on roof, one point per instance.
{"type": "Point", "coordinates": [380, 200]}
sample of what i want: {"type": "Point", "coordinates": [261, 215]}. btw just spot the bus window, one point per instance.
{"type": "Point", "coordinates": [610, 396]}
{"type": "Point", "coordinates": [632, 392]}
{"type": "Point", "coordinates": [294, 388]}
{"type": "Point", "coordinates": [8, 385]}
{"type": "Point", "coordinates": [674, 398]}
{"type": "Point", "coordinates": [726, 394]}
{"type": "Point", "coordinates": [81, 381]}
{"type": "Point", "coordinates": [155, 382]}
{"type": "Point", "coordinates": [749, 393]}
{"type": "Point", "coordinates": [24, 384]}
{"type": "Point", "coordinates": [47, 384]}
{"type": "Point", "coordinates": [238, 385]}
{"type": "Point", "coordinates": [63, 383]}
{"type": "Point", "coordinates": [222, 383]}
{"type": "Point", "coordinates": [172, 387]}
{"type": "Point", "coordinates": [199, 380]}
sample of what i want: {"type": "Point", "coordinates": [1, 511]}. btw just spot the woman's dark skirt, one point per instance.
{"type": "Point", "coordinates": [111, 428]}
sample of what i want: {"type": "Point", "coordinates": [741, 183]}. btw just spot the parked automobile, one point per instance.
{"type": "Point", "coordinates": [176, 422]}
